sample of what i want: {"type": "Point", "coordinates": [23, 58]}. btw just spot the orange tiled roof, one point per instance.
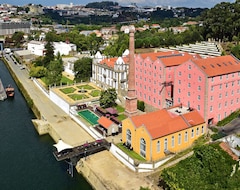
{"type": "Point", "coordinates": [161, 123]}
{"type": "Point", "coordinates": [155, 55]}
{"type": "Point", "coordinates": [105, 122]}
{"type": "Point", "coordinates": [109, 61]}
{"type": "Point", "coordinates": [178, 59]}
{"type": "Point", "coordinates": [218, 65]}
{"type": "Point", "coordinates": [227, 149]}
{"type": "Point", "coordinates": [170, 58]}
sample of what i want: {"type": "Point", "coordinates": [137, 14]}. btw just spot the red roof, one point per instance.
{"type": "Point", "coordinates": [219, 65]}
{"type": "Point", "coordinates": [170, 58]}
{"type": "Point", "coordinates": [105, 122]}
{"type": "Point", "coordinates": [161, 123]}
{"type": "Point", "coordinates": [111, 61]}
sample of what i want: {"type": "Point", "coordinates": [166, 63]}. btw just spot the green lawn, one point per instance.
{"type": "Point", "coordinates": [121, 117]}
{"type": "Point", "coordinates": [86, 87]}
{"type": "Point", "coordinates": [68, 90]}
{"type": "Point", "coordinates": [130, 153]}
{"type": "Point", "coordinates": [120, 109]}
{"type": "Point", "coordinates": [66, 80]}
{"type": "Point", "coordinates": [78, 96]}
{"type": "Point", "coordinates": [95, 93]}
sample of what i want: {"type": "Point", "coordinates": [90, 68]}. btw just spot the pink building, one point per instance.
{"type": "Point", "coordinates": [211, 86]}
{"type": "Point", "coordinates": [154, 74]}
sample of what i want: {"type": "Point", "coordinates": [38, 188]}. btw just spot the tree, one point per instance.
{"type": "Point", "coordinates": [108, 98]}
{"type": "Point", "coordinates": [17, 38]}
{"type": "Point", "coordinates": [49, 55]}
{"type": "Point", "coordinates": [83, 69]}
{"type": "Point", "coordinates": [38, 71]}
{"type": "Point", "coordinates": [54, 72]}
{"type": "Point", "coordinates": [141, 105]}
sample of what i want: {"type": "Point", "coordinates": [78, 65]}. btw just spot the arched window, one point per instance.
{"type": "Point", "coordinates": [129, 137]}
{"type": "Point", "coordinates": [158, 146]}
{"type": "Point", "coordinates": [179, 138]}
{"type": "Point", "coordinates": [165, 144]}
{"type": "Point", "coordinates": [143, 147]}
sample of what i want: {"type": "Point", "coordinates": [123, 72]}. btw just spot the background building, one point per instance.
{"type": "Point", "coordinates": [9, 28]}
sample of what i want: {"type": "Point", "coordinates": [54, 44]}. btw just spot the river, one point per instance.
{"type": "Point", "coordinates": [26, 159]}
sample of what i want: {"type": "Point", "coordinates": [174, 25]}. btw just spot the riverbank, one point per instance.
{"type": "Point", "coordinates": [102, 170]}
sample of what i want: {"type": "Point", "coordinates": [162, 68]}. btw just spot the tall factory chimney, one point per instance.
{"type": "Point", "coordinates": [131, 99]}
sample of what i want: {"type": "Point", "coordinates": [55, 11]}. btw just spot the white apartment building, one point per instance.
{"type": "Point", "coordinates": [38, 48]}
{"type": "Point", "coordinates": [110, 72]}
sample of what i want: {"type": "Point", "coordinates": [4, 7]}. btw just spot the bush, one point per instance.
{"type": "Point", "coordinates": [141, 105]}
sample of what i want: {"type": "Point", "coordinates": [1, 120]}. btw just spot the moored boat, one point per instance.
{"type": "Point", "coordinates": [9, 91]}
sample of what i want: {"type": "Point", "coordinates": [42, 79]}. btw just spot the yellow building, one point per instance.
{"type": "Point", "coordinates": [156, 134]}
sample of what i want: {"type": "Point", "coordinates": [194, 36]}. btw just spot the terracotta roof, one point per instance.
{"type": "Point", "coordinates": [227, 149]}
{"type": "Point", "coordinates": [153, 55]}
{"type": "Point", "coordinates": [161, 123]}
{"type": "Point", "coordinates": [109, 61]}
{"type": "Point", "coordinates": [105, 122]}
{"type": "Point", "coordinates": [170, 58]}
{"type": "Point", "coordinates": [218, 65]}
{"type": "Point", "coordinates": [178, 59]}
{"type": "Point", "coordinates": [193, 118]}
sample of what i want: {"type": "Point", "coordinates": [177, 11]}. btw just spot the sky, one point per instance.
{"type": "Point", "coordinates": [173, 3]}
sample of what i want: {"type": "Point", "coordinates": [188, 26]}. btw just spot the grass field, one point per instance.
{"type": "Point", "coordinates": [78, 96]}
{"type": "Point", "coordinates": [68, 90]}
{"type": "Point", "coordinates": [86, 87]}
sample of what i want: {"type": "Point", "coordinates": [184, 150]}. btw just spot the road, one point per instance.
{"type": "Point", "coordinates": [233, 127]}
{"type": "Point", "coordinates": [67, 130]}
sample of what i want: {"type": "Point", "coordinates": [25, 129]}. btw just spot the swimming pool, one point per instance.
{"type": "Point", "coordinates": [89, 116]}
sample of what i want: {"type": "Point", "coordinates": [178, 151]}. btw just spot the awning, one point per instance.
{"type": "Point", "coordinates": [62, 146]}
{"type": "Point", "coordinates": [111, 110]}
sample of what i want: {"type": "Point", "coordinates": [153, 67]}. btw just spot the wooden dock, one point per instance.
{"type": "Point", "coordinates": [74, 154]}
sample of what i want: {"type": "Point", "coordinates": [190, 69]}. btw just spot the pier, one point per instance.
{"type": "Point", "coordinates": [81, 151]}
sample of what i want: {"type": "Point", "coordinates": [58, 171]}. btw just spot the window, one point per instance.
{"type": "Point", "coordinates": [179, 90]}
{"type": "Point", "coordinates": [189, 67]}
{"type": "Point", "coordinates": [199, 79]}
{"type": "Point", "coordinates": [199, 97]}
{"type": "Point", "coordinates": [226, 85]}
{"type": "Point", "coordinates": [165, 144]}
{"type": "Point", "coordinates": [220, 86]}
{"type": "Point", "coordinates": [129, 137]}
{"type": "Point", "coordinates": [231, 102]}
{"type": "Point", "coordinates": [221, 77]}
{"type": "Point", "coordinates": [179, 138]}
{"type": "Point", "coordinates": [189, 85]}
{"type": "Point", "coordinates": [225, 103]}
{"type": "Point", "coordinates": [211, 108]}
{"type": "Point", "coordinates": [189, 94]}
{"type": "Point", "coordinates": [212, 88]}
{"type": "Point", "coordinates": [179, 100]}
{"type": "Point", "coordinates": [219, 106]}
{"type": "Point", "coordinates": [192, 133]}
{"type": "Point", "coordinates": [237, 100]}
{"type": "Point", "coordinates": [186, 136]}
{"type": "Point", "coordinates": [211, 98]}
{"type": "Point", "coordinates": [226, 94]}
{"type": "Point", "coordinates": [197, 131]}
{"type": "Point", "coordinates": [220, 96]}
{"type": "Point", "coordinates": [199, 88]}
{"type": "Point", "coordinates": [158, 146]}
{"type": "Point", "coordinates": [159, 102]}
{"type": "Point", "coordinates": [212, 79]}
{"type": "Point", "coordinates": [198, 107]}
{"type": "Point", "coordinates": [232, 92]}
{"type": "Point", "coordinates": [143, 148]}
{"type": "Point", "coordinates": [179, 81]}
{"type": "Point", "coordinates": [172, 141]}
{"type": "Point", "coordinates": [179, 73]}
{"type": "Point", "coordinates": [189, 76]}
{"type": "Point", "coordinates": [202, 129]}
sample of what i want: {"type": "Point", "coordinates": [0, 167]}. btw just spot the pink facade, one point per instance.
{"type": "Point", "coordinates": [155, 76]}
{"type": "Point", "coordinates": [212, 86]}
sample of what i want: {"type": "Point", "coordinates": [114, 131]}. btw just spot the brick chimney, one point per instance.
{"type": "Point", "coordinates": [131, 99]}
